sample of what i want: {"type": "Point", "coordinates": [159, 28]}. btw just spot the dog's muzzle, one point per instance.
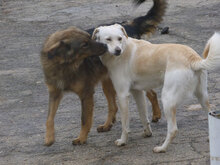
{"type": "Point", "coordinates": [117, 51]}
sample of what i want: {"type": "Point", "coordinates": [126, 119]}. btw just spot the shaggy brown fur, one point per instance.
{"type": "Point", "coordinates": [67, 68]}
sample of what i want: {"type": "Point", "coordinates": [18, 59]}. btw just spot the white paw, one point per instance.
{"type": "Point", "coordinates": [120, 142]}
{"type": "Point", "coordinates": [147, 133]}
{"type": "Point", "coordinates": [159, 149]}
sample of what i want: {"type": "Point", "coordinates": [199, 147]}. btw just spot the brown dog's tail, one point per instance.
{"type": "Point", "coordinates": [146, 24]}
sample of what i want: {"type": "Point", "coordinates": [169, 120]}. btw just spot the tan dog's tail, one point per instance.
{"type": "Point", "coordinates": [211, 55]}
{"type": "Point", "coordinates": [147, 24]}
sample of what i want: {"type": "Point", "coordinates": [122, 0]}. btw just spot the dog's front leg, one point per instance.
{"type": "Point", "coordinates": [142, 109]}
{"type": "Point", "coordinates": [86, 117]}
{"type": "Point", "coordinates": [123, 105]}
{"type": "Point", "coordinates": [55, 96]}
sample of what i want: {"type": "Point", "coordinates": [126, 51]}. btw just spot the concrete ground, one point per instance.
{"type": "Point", "coordinates": [25, 24]}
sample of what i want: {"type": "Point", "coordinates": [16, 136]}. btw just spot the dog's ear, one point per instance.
{"type": "Point", "coordinates": [56, 49]}
{"type": "Point", "coordinates": [52, 50]}
{"type": "Point", "coordinates": [123, 30]}
{"type": "Point", "coordinates": [94, 34]}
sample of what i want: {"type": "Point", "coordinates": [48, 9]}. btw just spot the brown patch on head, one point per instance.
{"type": "Point", "coordinates": [59, 46]}
{"type": "Point", "coordinates": [94, 34]}
{"type": "Point", "coordinates": [62, 35]}
{"type": "Point", "coordinates": [124, 32]}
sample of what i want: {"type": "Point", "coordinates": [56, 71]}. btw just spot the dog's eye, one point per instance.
{"type": "Point", "coordinates": [109, 39]}
{"type": "Point", "coordinates": [119, 38]}
{"type": "Point", "coordinates": [84, 45]}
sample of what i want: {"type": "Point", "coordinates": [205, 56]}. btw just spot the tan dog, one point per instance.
{"type": "Point", "coordinates": [137, 65]}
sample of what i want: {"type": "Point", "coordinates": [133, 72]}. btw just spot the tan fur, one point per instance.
{"type": "Point", "coordinates": [142, 66]}
{"type": "Point", "coordinates": [108, 89]}
{"type": "Point", "coordinates": [152, 96]}
{"type": "Point", "coordinates": [206, 51]}
{"type": "Point", "coordinates": [154, 58]}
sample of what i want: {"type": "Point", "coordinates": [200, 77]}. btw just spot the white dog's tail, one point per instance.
{"type": "Point", "coordinates": [211, 55]}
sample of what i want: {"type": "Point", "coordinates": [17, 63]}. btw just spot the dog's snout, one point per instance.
{"type": "Point", "coordinates": [117, 51]}
{"type": "Point", "coordinates": [105, 47]}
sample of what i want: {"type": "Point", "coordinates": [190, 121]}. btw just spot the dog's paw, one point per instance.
{"type": "Point", "coordinates": [49, 141]}
{"type": "Point", "coordinates": [159, 149]}
{"type": "Point", "coordinates": [147, 133]}
{"type": "Point", "coordinates": [120, 142]}
{"type": "Point", "coordinates": [157, 116]}
{"type": "Point", "coordinates": [113, 120]}
{"type": "Point", "coordinates": [103, 128]}
{"type": "Point", "coordinates": [155, 119]}
{"type": "Point", "coordinates": [78, 141]}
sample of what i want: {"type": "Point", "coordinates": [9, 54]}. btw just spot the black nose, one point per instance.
{"type": "Point", "coordinates": [117, 51]}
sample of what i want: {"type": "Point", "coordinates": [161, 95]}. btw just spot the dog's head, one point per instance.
{"type": "Point", "coordinates": [72, 45]}
{"type": "Point", "coordinates": [114, 36]}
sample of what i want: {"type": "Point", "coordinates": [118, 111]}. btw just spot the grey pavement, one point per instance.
{"type": "Point", "coordinates": [25, 24]}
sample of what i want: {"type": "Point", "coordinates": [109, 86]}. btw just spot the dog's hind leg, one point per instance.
{"type": "Point", "coordinates": [55, 96]}
{"type": "Point", "coordinates": [170, 114]}
{"type": "Point", "coordinates": [87, 104]}
{"type": "Point", "coordinates": [172, 94]}
{"type": "Point", "coordinates": [142, 108]}
{"type": "Point", "coordinates": [201, 91]}
{"type": "Point", "coordinates": [110, 94]}
{"type": "Point", "coordinates": [152, 96]}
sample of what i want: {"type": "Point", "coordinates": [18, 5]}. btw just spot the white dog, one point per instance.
{"type": "Point", "coordinates": [137, 65]}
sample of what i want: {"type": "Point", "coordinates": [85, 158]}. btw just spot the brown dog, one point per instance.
{"type": "Point", "coordinates": [67, 68]}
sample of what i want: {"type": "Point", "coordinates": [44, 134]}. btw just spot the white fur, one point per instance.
{"type": "Point", "coordinates": [213, 59]}
{"type": "Point", "coordinates": [180, 77]}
